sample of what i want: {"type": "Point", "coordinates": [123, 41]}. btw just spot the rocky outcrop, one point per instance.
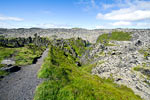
{"type": "Point", "coordinates": [68, 45]}
{"type": "Point", "coordinates": [8, 62]}
{"type": "Point", "coordinates": [22, 41]}
{"type": "Point", "coordinates": [119, 62]}
{"type": "Point", "coordinates": [11, 69]}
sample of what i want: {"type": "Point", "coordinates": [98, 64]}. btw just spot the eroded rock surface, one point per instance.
{"type": "Point", "coordinates": [124, 62]}
{"type": "Point", "coordinates": [119, 62]}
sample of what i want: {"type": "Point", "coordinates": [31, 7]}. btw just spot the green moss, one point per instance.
{"type": "Point", "coordinates": [147, 83]}
{"type": "Point", "coordinates": [5, 53]}
{"type": "Point", "coordinates": [67, 81]}
{"type": "Point", "coordinates": [103, 38]}
{"type": "Point", "coordinates": [78, 45]}
{"type": "Point", "coordinates": [142, 68]}
{"type": "Point", "coordinates": [26, 55]}
{"type": "Point", "coordinates": [137, 68]}
{"type": "Point", "coordinates": [116, 35]}
{"type": "Point", "coordinates": [3, 73]}
{"type": "Point", "coordinates": [88, 68]}
{"type": "Point", "coordinates": [102, 53]}
{"type": "Point", "coordinates": [23, 55]}
{"type": "Point", "coordinates": [120, 36]}
{"type": "Point", "coordinates": [145, 52]}
{"type": "Point", "coordinates": [2, 65]}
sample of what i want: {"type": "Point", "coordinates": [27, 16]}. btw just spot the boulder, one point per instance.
{"type": "Point", "coordinates": [8, 62]}
{"type": "Point", "coordinates": [138, 43]}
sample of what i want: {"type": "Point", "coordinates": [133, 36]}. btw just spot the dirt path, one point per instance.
{"type": "Point", "coordinates": [21, 85]}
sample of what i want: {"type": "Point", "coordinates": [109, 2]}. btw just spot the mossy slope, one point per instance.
{"type": "Point", "coordinates": [67, 81]}
{"type": "Point", "coordinates": [116, 35]}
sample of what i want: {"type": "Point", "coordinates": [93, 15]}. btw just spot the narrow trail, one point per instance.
{"type": "Point", "coordinates": [22, 84]}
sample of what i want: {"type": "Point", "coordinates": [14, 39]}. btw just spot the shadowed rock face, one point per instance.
{"type": "Point", "coordinates": [11, 69]}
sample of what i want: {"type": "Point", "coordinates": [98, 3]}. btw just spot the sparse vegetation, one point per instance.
{"type": "Point", "coordinates": [26, 55]}
{"type": "Point", "coordinates": [3, 73]}
{"type": "Point", "coordinates": [137, 68]}
{"type": "Point", "coordinates": [147, 82]}
{"type": "Point", "coordinates": [88, 68]}
{"type": "Point", "coordinates": [145, 52]}
{"type": "Point", "coordinates": [23, 55]}
{"type": "Point", "coordinates": [5, 52]}
{"type": "Point", "coordinates": [145, 70]}
{"type": "Point", "coordinates": [78, 45]}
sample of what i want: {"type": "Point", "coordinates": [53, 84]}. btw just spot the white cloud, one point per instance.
{"type": "Point", "coordinates": [129, 10]}
{"type": "Point", "coordinates": [125, 15]}
{"type": "Point", "coordinates": [122, 23]}
{"type": "Point", "coordinates": [44, 25]}
{"type": "Point", "coordinates": [138, 4]}
{"type": "Point", "coordinates": [107, 6]}
{"type": "Point", "coordinates": [119, 24]}
{"type": "Point", "coordinates": [100, 27]}
{"type": "Point", "coordinates": [14, 25]}
{"type": "Point", "coordinates": [94, 5]}
{"type": "Point", "coordinates": [5, 25]}
{"type": "Point", "coordinates": [88, 5]}
{"type": "Point", "coordinates": [4, 18]}
{"type": "Point", "coordinates": [143, 24]}
{"type": "Point", "coordinates": [50, 25]}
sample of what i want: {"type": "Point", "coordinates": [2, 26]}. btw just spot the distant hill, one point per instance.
{"type": "Point", "coordinates": [90, 35]}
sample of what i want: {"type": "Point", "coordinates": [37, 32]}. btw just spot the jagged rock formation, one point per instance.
{"type": "Point", "coordinates": [22, 41]}
{"type": "Point", "coordinates": [120, 61]}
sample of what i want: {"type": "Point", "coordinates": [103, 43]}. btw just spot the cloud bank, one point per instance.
{"type": "Point", "coordinates": [134, 13]}
{"type": "Point", "coordinates": [6, 18]}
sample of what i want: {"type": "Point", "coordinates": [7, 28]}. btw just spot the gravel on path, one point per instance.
{"type": "Point", "coordinates": [21, 85]}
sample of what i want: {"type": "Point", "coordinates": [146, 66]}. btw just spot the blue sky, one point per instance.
{"type": "Point", "coordinates": [88, 14]}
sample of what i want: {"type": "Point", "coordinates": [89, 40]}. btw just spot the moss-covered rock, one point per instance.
{"type": "Point", "coordinates": [116, 35]}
